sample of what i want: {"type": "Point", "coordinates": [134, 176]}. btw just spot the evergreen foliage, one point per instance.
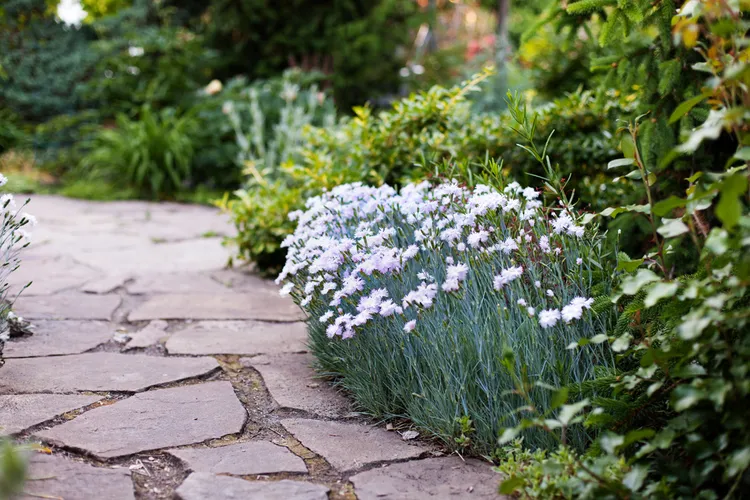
{"type": "Point", "coordinates": [44, 62]}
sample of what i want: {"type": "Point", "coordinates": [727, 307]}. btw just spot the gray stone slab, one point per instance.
{"type": "Point", "coordinates": [265, 305]}
{"type": "Point", "coordinates": [61, 478]}
{"type": "Point", "coordinates": [350, 446]}
{"type": "Point", "coordinates": [205, 486]}
{"type": "Point", "coordinates": [60, 337]}
{"type": "Point", "coordinates": [238, 337]}
{"type": "Point", "coordinates": [162, 418]}
{"type": "Point", "coordinates": [175, 283]}
{"type": "Point", "coordinates": [49, 275]}
{"type": "Point", "coordinates": [149, 335]}
{"type": "Point", "coordinates": [21, 411]}
{"type": "Point", "coordinates": [447, 477]}
{"type": "Point", "coordinates": [67, 306]}
{"type": "Point", "coordinates": [241, 280]}
{"type": "Point", "coordinates": [105, 284]}
{"type": "Point", "coordinates": [190, 256]}
{"type": "Point", "coordinates": [97, 371]}
{"type": "Point", "coordinates": [293, 384]}
{"type": "Point", "coordinates": [254, 457]}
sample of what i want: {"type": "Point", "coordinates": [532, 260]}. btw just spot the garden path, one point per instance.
{"type": "Point", "coordinates": [154, 372]}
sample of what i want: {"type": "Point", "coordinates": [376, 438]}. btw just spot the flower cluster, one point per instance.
{"type": "Point", "coordinates": [14, 236]}
{"type": "Point", "coordinates": [363, 254]}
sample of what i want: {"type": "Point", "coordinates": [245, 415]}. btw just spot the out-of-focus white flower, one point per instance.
{"type": "Point", "coordinates": [579, 261]}
{"type": "Point", "coordinates": [286, 289]}
{"type": "Point", "coordinates": [521, 302]}
{"type": "Point", "coordinates": [328, 315]}
{"type": "Point", "coordinates": [410, 325]}
{"type": "Point", "coordinates": [3, 180]}
{"type": "Point", "coordinates": [213, 87]}
{"type": "Point", "coordinates": [548, 318]}
{"type": "Point", "coordinates": [550, 293]}
{"type": "Point", "coordinates": [506, 276]}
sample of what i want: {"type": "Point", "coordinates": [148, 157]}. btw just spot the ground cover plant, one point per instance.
{"type": "Point", "coordinates": [430, 303]}
{"type": "Point", "coordinates": [673, 425]}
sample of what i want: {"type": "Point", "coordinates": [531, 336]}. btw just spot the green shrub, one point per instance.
{"type": "Point", "coordinates": [152, 154]}
{"type": "Point", "coordinates": [12, 470]}
{"type": "Point", "coordinates": [674, 422]}
{"type": "Point", "coordinates": [435, 133]}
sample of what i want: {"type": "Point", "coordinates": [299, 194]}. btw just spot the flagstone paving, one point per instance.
{"type": "Point", "coordinates": [156, 373]}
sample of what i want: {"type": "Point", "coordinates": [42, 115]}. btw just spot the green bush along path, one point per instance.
{"type": "Point", "coordinates": [154, 372]}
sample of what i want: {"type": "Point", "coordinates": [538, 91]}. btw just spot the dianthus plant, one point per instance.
{"type": "Point", "coordinates": [14, 236]}
{"type": "Point", "coordinates": [416, 299]}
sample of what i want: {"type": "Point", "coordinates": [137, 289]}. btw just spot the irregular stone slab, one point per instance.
{"type": "Point", "coordinates": [238, 337]}
{"type": "Point", "coordinates": [254, 457]}
{"type": "Point", "coordinates": [161, 418]}
{"type": "Point", "coordinates": [175, 283]}
{"type": "Point", "coordinates": [52, 338]}
{"type": "Point", "coordinates": [67, 306]}
{"type": "Point", "coordinates": [106, 284]}
{"type": "Point", "coordinates": [189, 256]}
{"type": "Point", "coordinates": [239, 280]}
{"type": "Point", "coordinates": [149, 335]}
{"type": "Point", "coordinates": [262, 305]}
{"type": "Point", "coordinates": [293, 384]}
{"type": "Point", "coordinates": [98, 371]}
{"type": "Point", "coordinates": [49, 275]}
{"type": "Point", "coordinates": [58, 477]}
{"type": "Point", "coordinates": [348, 446]}
{"type": "Point", "coordinates": [19, 412]}
{"type": "Point", "coordinates": [448, 477]}
{"type": "Point", "coordinates": [205, 486]}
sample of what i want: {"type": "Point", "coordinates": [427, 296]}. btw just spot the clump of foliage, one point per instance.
{"type": "Point", "coordinates": [269, 119]}
{"type": "Point", "coordinates": [673, 425]}
{"type": "Point", "coordinates": [152, 154]}
{"type": "Point", "coordinates": [43, 62]}
{"type": "Point", "coordinates": [430, 133]}
{"type": "Point", "coordinates": [355, 42]}
{"type": "Point", "coordinates": [12, 470]}
{"type": "Point", "coordinates": [430, 303]}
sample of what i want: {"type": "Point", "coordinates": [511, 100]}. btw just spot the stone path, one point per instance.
{"type": "Point", "coordinates": [155, 373]}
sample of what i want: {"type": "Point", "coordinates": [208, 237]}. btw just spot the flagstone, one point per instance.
{"type": "Point", "coordinates": [57, 477]}
{"type": "Point", "coordinates": [253, 457]}
{"type": "Point", "coordinates": [98, 371]}
{"type": "Point", "coordinates": [67, 306]}
{"type": "Point", "coordinates": [21, 411]}
{"type": "Point", "coordinates": [350, 446]}
{"type": "Point", "coordinates": [161, 418]}
{"type": "Point", "coordinates": [293, 384]}
{"type": "Point", "coordinates": [446, 477]}
{"type": "Point", "coordinates": [262, 304]}
{"type": "Point", "coordinates": [238, 337]}
{"type": "Point", "coordinates": [205, 486]}
{"type": "Point", "coordinates": [60, 337]}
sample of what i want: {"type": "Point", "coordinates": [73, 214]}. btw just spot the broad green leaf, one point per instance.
{"type": "Point", "coordinates": [743, 154]}
{"type": "Point", "coordinates": [509, 486]}
{"type": "Point", "coordinates": [621, 343]}
{"type": "Point", "coordinates": [508, 435]}
{"type": "Point", "coordinates": [729, 208]}
{"type": "Point", "coordinates": [672, 228]}
{"type": "Point", "coordinates": [660, 291]}
{"type": "Point", "coordinates": [598, 339]}
{"type": "Point", "coordinates": [622, 162]}
{"type": "Point", "coordinates": [738, 461]}
{"type": "Point", "coordinates": [634, 479]}
{"type": "Point", "coordinates": [663, 207]}
{"type": "Point", "coordinates": [686, 396]}
{"type": "Point", "coordinates": [632, 284]}
{"type": "Point", "coordinates": [685, 107]}
{"type": "Point", "coordinates": [610, 442]}
{"type": "Point", "coordinates": [559, 398]}
{"type": "Point", "coordinates": [693, 324]}
{"type": "Point", "coordinates": [625, 263]}
{"type": "Point", "coordinates": [567, 412]}
{"type": "Point", "coordinates": [718, 241]}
